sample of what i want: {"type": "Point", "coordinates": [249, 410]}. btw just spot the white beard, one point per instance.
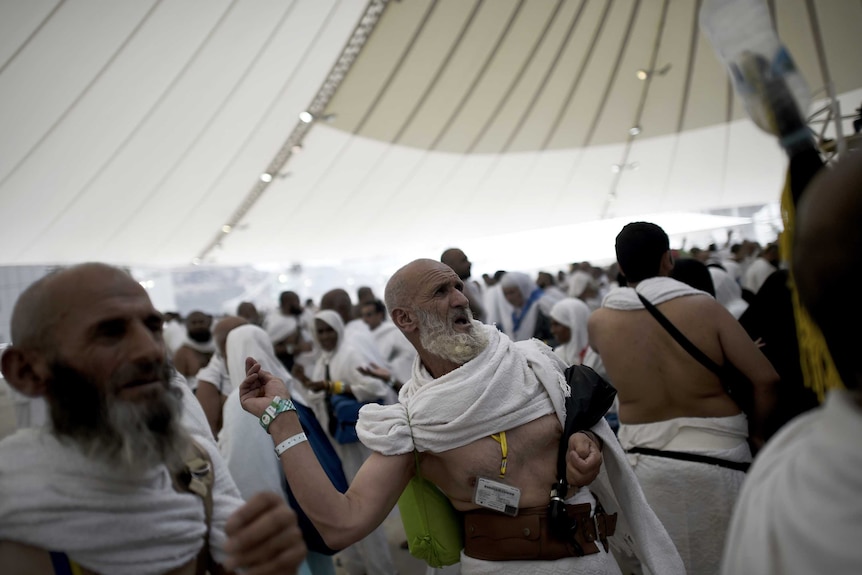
{"type": "Point", "coordinates": [439, 338]}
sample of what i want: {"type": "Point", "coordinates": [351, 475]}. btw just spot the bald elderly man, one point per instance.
{"type": "Point", "coordinates": [119, 480]}
{"type": "Point", "coordinates": [485, 416]}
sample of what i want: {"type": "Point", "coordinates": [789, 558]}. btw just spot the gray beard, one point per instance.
{"type": "Point", "coordinates": [440, 339]}
{"type": "Point", "coordinates": [131, 436]}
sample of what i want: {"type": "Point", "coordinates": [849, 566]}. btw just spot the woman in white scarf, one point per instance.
{"type": "Point", "coordinates": [342, 360]}
{"type": "Point", "coordinates": [532, 306]}
{"type": "Point", "coordinates": [569, 318]}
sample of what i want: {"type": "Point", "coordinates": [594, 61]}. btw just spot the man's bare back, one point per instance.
{"type": "Point", "coordinates": [656, 378]}
{"type": "Point", "coordinates": [532, 456]}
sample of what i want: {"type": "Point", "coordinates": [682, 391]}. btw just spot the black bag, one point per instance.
{"type": "Point", "coordinates": [591, 397]}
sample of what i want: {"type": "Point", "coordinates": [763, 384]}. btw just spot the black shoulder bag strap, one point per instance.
{"type": "Point", "coordinates": [704, 359]}
{"type": "Point", "coordinates": [686, 344]}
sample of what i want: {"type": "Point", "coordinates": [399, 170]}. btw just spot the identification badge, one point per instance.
{"type": "Point", "coordinates": [497, 496]}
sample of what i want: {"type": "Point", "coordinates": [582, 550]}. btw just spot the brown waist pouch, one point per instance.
{"type": "Point", "coordinates": [492, 536]}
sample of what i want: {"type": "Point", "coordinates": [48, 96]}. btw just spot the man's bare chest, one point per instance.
{"type": "Point", "coordinates": [528, 460]}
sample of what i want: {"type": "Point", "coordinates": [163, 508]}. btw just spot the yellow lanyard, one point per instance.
{"type": "Point", "coordinates": [501, 439]}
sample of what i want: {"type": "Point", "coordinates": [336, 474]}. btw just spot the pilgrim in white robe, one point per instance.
{"type": "Point", "coordinates": [507, 385]}
{"type": "Point", "coordinates": [54, 497]}
{"type": "Point", "coordinates": [800, 510]}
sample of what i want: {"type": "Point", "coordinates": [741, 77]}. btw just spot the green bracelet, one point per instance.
{"type": "Point", "coordinates": [276, 408]}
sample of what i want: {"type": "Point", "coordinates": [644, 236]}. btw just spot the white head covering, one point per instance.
{"type": "Point", "coordinates": [572, 313]}
{"type": "Point", "coordinates": [333, 320]}
{"type": "Point", "coordinates": [343, 361]}
{"type": "Point", "coordinates": [527, 286]}
{"type": "Point", "coordinates": [251, 341]}
{"type": "Point", "coordinates": [279, 326]}
{"type": "Point", "coordinates": [727, 291]}
{"type": "Point", "coordinates": [579, 282]}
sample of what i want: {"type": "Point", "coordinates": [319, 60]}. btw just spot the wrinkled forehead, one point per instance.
{"type": "Point", "coordinates": [97, 299]}
{"type": "Point", "coordinates": [429, 278]}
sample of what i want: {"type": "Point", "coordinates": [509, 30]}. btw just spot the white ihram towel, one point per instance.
{"type": "Point", "coordinates": [656, 290]}
{"type": "Point", "coordinates": [53, 497]}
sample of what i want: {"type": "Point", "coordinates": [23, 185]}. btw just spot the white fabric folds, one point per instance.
{"type": "Point", "coordinates": [55, 498]}
{"type": "Point", "coordinates": [800, 510]}
{"type": "Point", "coordinates": [656, 290]}
{"type": "Point", "coordinates": [693, 500]}
{"type": "Point", "coordinates": [501, 385]}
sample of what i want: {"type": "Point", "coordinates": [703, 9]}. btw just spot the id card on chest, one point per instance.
{"type": "Point", "coordinates": [495, 494]}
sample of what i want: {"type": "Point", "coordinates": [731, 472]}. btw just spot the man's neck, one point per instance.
{"type": "Point", "coordinates": [437, 366]}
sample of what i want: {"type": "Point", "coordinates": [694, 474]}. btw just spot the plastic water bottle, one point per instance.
{"type": "Point", "coordinates": [764, 75]}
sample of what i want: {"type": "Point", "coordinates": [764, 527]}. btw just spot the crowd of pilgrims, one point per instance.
{"type": "Point", "coordinates": [351, 343]}
{"type": "Point", "coordinates": [748, 279]}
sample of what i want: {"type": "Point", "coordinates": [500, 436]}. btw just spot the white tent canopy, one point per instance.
{"type": "Point", "coordinates": [137, 131]}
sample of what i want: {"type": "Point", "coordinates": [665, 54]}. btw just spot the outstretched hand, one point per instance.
{"type": "Point", "coordinates": [583, 460]}
{"type": "Point", "coordinates": [259, 388]}
{"type": "Point", "coordinates": [374, 370]}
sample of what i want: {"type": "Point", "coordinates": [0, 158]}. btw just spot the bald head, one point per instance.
{"type": "Point", "coordinates": [48, 300]}
{"type": "Point", "coordinates": [827, 260]}
{"type": "Point", "coordinates": [224, 327]}
{"type": "Point", "coordinates": [401, 287]}
{"type": "Point", "coordinates": [338, 300]}
{"type": "Point", "coordinates": [248, 311]}
{"type": "Point", "coordinates": [457, 260]}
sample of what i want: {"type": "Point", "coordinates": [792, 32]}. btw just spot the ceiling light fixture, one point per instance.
{"type": "Point", "coordinates": [643, 73]}
{"type": "Point", "coordinates": [266, 177]}
{"type": "Point", "coordinates": [634, 130]}
{"type": "Point", "coordinates": [306, 117]}
{"type": "Point", "coordinates": [296, 148]}
{"type": "Point", "coordinates": [196, 261]}
{"type": "Point", "coordinates": [226, 228]}
{"type": "Point", "coordinates": [617, 168]}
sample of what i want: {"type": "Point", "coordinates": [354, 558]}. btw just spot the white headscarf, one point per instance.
{"type": "Point", "coordinates": [333, 320]}
{"type": "Point", "coordinates": [529, 314]}
{"type": "Point", "coordinates": [579, 282]}
{"type": "Point", "coordinates": [279, 326]}
{"type": "Point", "coordinates": [572, 313]}
{"type": "Point", "coordinates": [251, 341]}
{"type": "Point", "coordinates": [343, 362]}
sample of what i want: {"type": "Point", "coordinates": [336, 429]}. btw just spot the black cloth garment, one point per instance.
{"type": "Point", "coordinates": [769, 317]}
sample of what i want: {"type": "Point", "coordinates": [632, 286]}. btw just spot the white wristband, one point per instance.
{"type": "Point", "coordinates": [289, 442]}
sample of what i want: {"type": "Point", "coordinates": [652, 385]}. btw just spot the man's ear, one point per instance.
{"type": "Point", "coordinates": [404, 320]}
{"type": "Point", "coordinates": [26, 371]}
{"type": "Point", "coordinates": [666, 263]}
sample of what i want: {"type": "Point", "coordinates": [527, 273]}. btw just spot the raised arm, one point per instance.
{"type": "Point", "coordinates": [341, 519]}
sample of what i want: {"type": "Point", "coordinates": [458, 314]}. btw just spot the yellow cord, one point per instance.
{"type": "Point", "coordinates": [818, 370]}
{"type": "Point", "coordinates": [501, 439]}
